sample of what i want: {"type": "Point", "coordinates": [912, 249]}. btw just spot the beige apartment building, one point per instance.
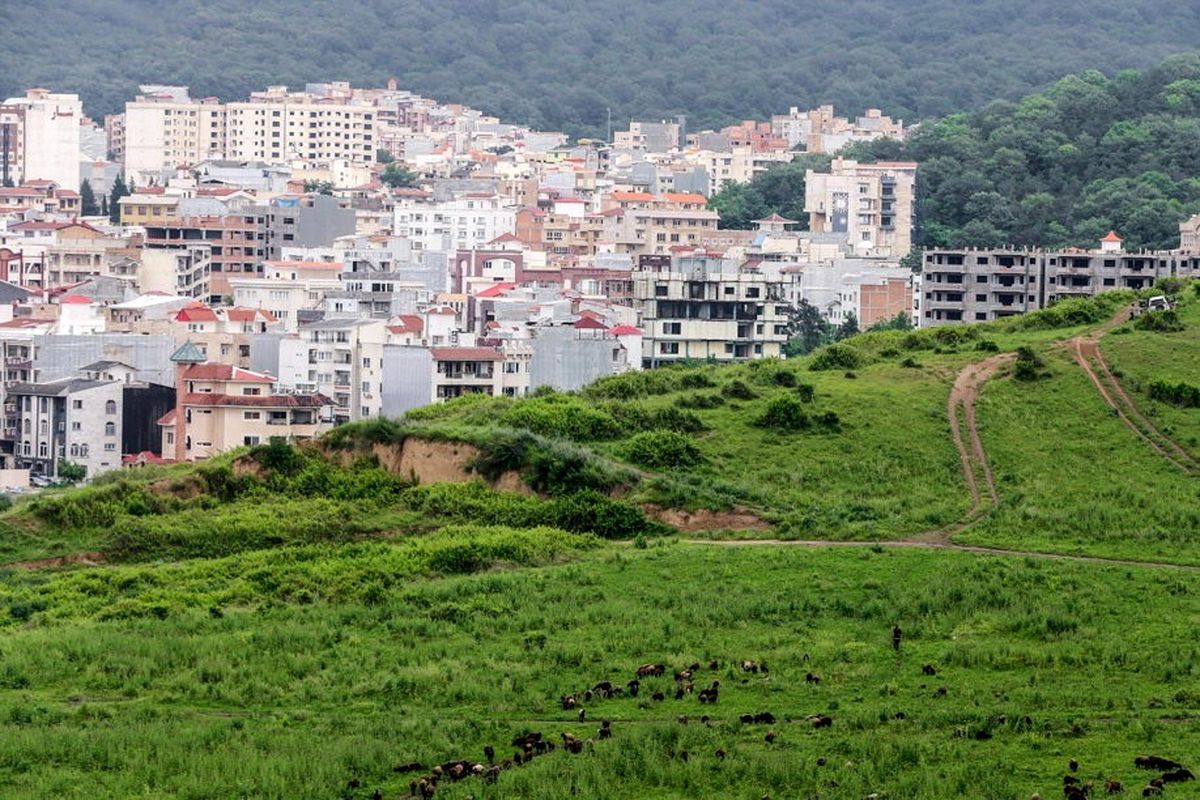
{"type": "Point", "coordinates": [871, 204]}
{"type": "Point", "coordinates": [647, 224]}
{"type": "Point", "coordinates": [219, 407]}
{"type": "Point", "coordinates": [165, 128]}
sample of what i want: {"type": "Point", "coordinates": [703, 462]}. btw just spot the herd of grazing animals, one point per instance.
{"type": "Point", "coordinates": [533, 744]}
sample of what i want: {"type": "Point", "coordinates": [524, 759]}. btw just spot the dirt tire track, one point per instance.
{"type": "Point", "coordinates": [1086, 351]}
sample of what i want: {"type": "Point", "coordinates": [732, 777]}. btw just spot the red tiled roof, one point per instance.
{"type": "Point", "coordinates": [590, 324]}
{"type": "Point", "coordinates": [496, 290]}
{"type": "Point", "coordinates": [466, 354]}
{"type": "Point", "coordinates": [685, 197]}
{"type": "Point", "coordinates": [223, 372]}
{"type": "Point", "coordinates": [76, 300]}
{"type": "Point", "coordinates": [196, 314]}
{"type": "Point", "coordinates": [1112, 236]}
{"type": "Point", "coordinates": [631, 197]}
{"type": "Point", "coordinates": [147, 457]}
{"type": "Point", "coordinates": [409, 323]}
{"type": "Point", "coordinates": [504, 237]}
{"type": "Point", "coordinates": [626, 330]}
{"type": "Point", "coordinates": [441, 310]}
{"type": "Point", "coordinates": [248, 315]}
{"type": "Point", "coordinates": [257, 400]}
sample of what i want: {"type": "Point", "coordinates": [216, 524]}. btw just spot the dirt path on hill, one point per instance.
{"type": "Point", "coordinates": [1086, 351]}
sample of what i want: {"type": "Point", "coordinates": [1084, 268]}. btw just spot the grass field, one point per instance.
{"type": "Point", "coordinates": [1143, 357]}
{"type": "Point", "coordinates": [279, 694]}
{"type": "Point", "coordinates": [296, 623]}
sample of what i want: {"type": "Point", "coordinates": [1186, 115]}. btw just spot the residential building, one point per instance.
{"type": "Point", "coordinates": [467, 220]}
{"type": "Point", "coordinates": [698, 305]}
{"type": "Point", "coordinates": [418, 376]}
{"type": "Point", "coordinates": [651, 137]}
{"type": "Point", "coordinates": [219, 407]}
{"type": "Point", "coordinates": [638, 223]}
{"type": "Point", "coordinates": [73, 419]}
{"type": "Point", "coordinates": [39, 136]}
{"type": "Point", "coordinates": [287, 288]}
{"type": "Point", "coordinates": [872, 205]}
{"type": "Point", "coordinates": [237, 241]}
{"type": "Point", "coordinates": [340, 358]}
{"type": "Point", "coordinates": [184, 269]}
{"type": "Point", "coordinates": [978, 285]}
{"type": "Point", "coordinates": [307, 220]}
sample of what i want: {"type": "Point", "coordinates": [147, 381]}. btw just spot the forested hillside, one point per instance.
{"type": "Point", "coordinates": [560, 65]}
{"type": "Point", "coordinates": [1061, 167]}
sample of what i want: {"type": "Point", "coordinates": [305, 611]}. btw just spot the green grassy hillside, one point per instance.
{"type": "Point", "coordinates": [284, 623]}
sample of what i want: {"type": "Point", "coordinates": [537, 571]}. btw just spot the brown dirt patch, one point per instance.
{"type": "Point", "coordinates": [736, 519]}
{"type": "Point", "coordinates": [75, 559]}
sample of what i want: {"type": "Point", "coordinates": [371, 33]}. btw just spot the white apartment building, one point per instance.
{"type": "Point", "coordinates": [164, 128]}
{"type": "Point", "coordinates": [287, 288]}
{"type": "Point", "coordinates": [468, 221]}
{"type": "Point", "coordinates": [341, 359]}
{"type": "Point", "coordinates": [68, 420]}
{"type": "Point", "coordinates": [43, 137]}
{"type": "Point", "coordinates": [871, 204]}
{"type": "Point", "coordinates": [182, 271]}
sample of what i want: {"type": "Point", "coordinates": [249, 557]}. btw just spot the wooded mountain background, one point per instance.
{"type": "Point", "coordinates": [560, 65]}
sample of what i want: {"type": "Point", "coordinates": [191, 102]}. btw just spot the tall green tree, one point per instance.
{"type": "Point", "coordinates": [88, 206]}
{"type": "Point", "coordinates": [806, 329]}
{"type": "Point", "coordinates": [119, 190]}
{"type": "Point", "coordinates": [395, 176]}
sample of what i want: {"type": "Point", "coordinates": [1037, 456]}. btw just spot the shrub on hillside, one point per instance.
{"type": "Point", "coordinates": [700, 400]}
{"type": "Point", "coordinates": [1166, 321]}
{"type": "Point", "coordinates": [838, 356]}
{"type": "Point", "coordinates": [564, 417]}
{"type": "Point", "coordinates": [1181, 394]}
{"type": "Point", "coordinates": [662, 450]}
{"type": "Point", "coordinates": [784, 414]}
{"type": "Point", "coordinates": [805, 392]}
{"type": "Point", "coordinates": [987, 346]}
{"type": "Point", "coordinates": [910, 363]}
{"type": "Point", "coordinates": [738, 389]}
{"type": "Point", "coordinates": [632, 417]}
{"type": "Point", "coordinates": [1071, 312]}
{"type": "Point", "coordinates": [1028, 364]}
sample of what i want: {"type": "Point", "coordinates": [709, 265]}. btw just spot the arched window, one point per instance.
{"type": "Point", "coordinates": [27, 425]}
{"type": "Point", "coordinates": [110, 429]}
{"type": "Point", "coordinates": [110, 407]}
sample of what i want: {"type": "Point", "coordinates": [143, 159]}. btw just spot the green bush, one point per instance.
{"type": "Point", "coordinates": [1028, 364]}
{"type": "Point", "coordinates": [910, 363]}
{"type": "Point", "coordinates": [564, 417]}
{"type": "Point", "coordinates": [784, 414]}
{"type": "Point", "coordinates": [632, 417]}
{"type": "Point", "coordinates": [1181, 394]}
{"type": "Point", "coordinates": [662, 449]}
{"type": "Point", "coordinates": [700, 400]}
{"type": "Point", "coordinates": [838, 356]}
{"type": "Point", "coordinates": [738, 389]}
{"type": "Point", "coordinates": [987, 346]}
{"type": "Point", "coordinates": [806, 393]}
{"type": "Point", "coordinates": [1166, 321]}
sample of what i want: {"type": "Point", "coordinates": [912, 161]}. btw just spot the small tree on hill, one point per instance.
{"type": "Point", "coordinates": [384, 156]}
{"type": "Point", "coordinates": [70, 472]}
{"type": "Point", "coordinates": [87, 200]}
{"type": "Point", "coordinates": [806, 329]}
{"type": "Point", "coordinates": [848, 328]}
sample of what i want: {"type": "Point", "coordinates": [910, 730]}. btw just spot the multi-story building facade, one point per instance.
{"type": "Point", "coordinates": [343, 360]}
{"type": "Point", "coordinates": [164, 128]}
{"type": "Point", "coordinates": [643, 224]}
{"type": "Point", "coordinates": [872, 205]}
{"type": "Point", "coordinates": [39, 138]}
{"type": "Point", "coordinates": [287, 288]}
{"type": "Point", "coordinates": [698, 305]}
{"type": "Point", "coordinates": [74, 420]}
{"type": "Point", "coordinates": [237, 242]}
{"type": "Point", "coordinates": [219, 407]}
{"type": "Point", "coordinates": [183, 269]}
{"type": "Point", "coordinates": [417, 376]}
{"type": "Point", "coordinates": [963, 286]}
{"type": "Point", "coordinates": [469, 220]}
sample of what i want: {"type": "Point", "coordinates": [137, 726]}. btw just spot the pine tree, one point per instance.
{"type": "Point", "coordinates": [119, 190]}
{"type": "Point", "coordinates": [87, 200]}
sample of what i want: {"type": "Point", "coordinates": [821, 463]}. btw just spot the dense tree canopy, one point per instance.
{"type": "Point", "coordinates": [1061, 167]}
{"type": "Point", "coordinates": [562, 65]}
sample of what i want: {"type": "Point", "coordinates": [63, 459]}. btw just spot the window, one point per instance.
{"type": "Point", "coordinates": [672, 328]}
{"type": "Point", "coordinates": [251, 390]}
{"type": "Point", "coordinates": [110, 407]}
{"type": "Point", "coordinates": [669, 348]}
{"type": "Point", "coordinates": [76, 404]}
{"type": "Point", "coordinates": [251, 415]}
{"type": "Point", "coordinates": [752, 291]}
{"type": "Point", "coordinates": [75, 426]}
{"type": "Point", "coordinates": [110, 447]}
{"type": "Point", "coordinates": [981, 298]}
{"type": "Point", "coordinates": [660, 290]}
{"type": "Point", "coordinates": [110, 429]}
{"type": "Point", "coordinates": [249, 440]}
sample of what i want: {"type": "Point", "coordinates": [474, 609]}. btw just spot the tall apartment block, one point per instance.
{"type": "Point", "coordinates": [964, 286]}
{"type": "Point", "coordinates": [872, 205]}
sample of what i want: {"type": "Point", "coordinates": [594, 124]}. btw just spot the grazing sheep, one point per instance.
{"type": "Point", "coordinates": [603, 688]}
{"type": "Point", "coordinates": [683, 675]}
{"type": "Point", "coordinates": [764, 718]}
{"type": "Point", "coordinates": [929, 669]}
{"type": "Point", "coordinates": [897, 635]}
{"type": "Point", "coordinates": [633, 686]}
{"type": "Point", "coordinates": [605, 731]}
{"type": "Point", "coordinates": [658, 697]}
{"type": "Point", "coordinates": [1178, 775]}
{"type": "Point", "coordinates": [749, 666]}
{"type": "Point", "coordinates": [489, 753]}
{"type": "Point", "coordinates": [679, 692]}
{"type": "Point", "coordinates": [410, 767]}
{"type": "Point", "coordinates": [568, 702]}
{"type": "Point", "coordinates": [770, 737]}
{"type": "Point", "coordinates": [710, 694]}
{"type": "Point", "coordinates": [682, 719]}
{"type": "Point", "coordinates": [812, 677]}
{"type": "Point", "coordinates": [713, 665]}
{"type": "Point", "coordinates": [571, 743]}
{"type": "Point", "coordinates": [1113, 786]}
{"type": "Point", "coordinates": [651, 670]}
{"type": "Point", "coordinates": [1074, 793]}
{"type": "Point", "coordinates": [582, 714]}
{"type": "Point", "coordinates": [820, 720]}
{"type": "Point", "coordinates": [683, 755]}
{"type": "Point", "coordinates": [695, 667]}
{"type": "Point", "coordinates": [747, 719]}
{"type": "Point", "coordinates": [1155, 762]}
{"type": "Point", "coordinates": [720, 754]}
{"type": "Point", "coordinates": [1152, 791]}
{"type": "Point", "coordinates": [941, 691]}
{"type": "Point", "coordinates": [821, 762]}
{"type": "Point", "coordinates": [1073, 765]}
{"type": "Point", "coordinates": [377, 795]}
